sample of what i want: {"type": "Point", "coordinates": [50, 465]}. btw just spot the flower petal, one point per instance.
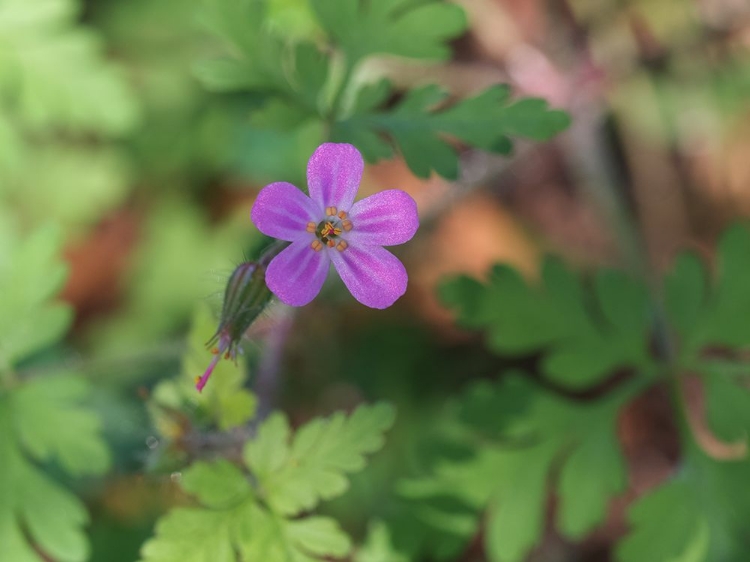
{"type": "Point", "coordinates": [386, 218]}
{"type": "Point", "coordinates": [333, 175]}
{"type": "Point", "coordinates": [297, 274]}
{"type": "Point", "coordinates": [283, 211]}
{"type": "Point", "coordinates": [373, 275]}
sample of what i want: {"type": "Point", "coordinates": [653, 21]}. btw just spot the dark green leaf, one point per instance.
{"type": "Point", "coordinates": [420, 122]}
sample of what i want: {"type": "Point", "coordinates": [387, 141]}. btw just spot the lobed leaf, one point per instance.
{"type": "Point", "coordinates": [419, 124]}
{"type": "Point", "coordinates": [407, 28]}
{"type": "Point", "coordinates": [584, 341]}
{"type": "Point", "coordinates": [295, 474]}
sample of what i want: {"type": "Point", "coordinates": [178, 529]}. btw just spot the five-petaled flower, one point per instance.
{"type": "Point", "coordinates": [328, 226]}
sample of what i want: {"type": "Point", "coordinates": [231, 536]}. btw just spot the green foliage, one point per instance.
{"type": "Point", "coordinates": [586, 334]}
{"type": "Point", "coordinates": [295, 474]}
{"type": "Point", "coordinates": [419, 123]}
{"type": "Point", "coordinates": [295, 83]}
{"type": "Point", "coordinates": [261, 521]}
{"type": "Point", "coordinates": [225, 402]}
{"type": "Point", "coordinates": [544, 441]}
{"type": "Point", "coordinates": [30, 274]}
{"type": "Point", "coordinates": [408, 28]}
{"type": "Point", "coordinates": [699, 515]}
{"type": "Point", "coordinates": [59, 93]}
{"type": "Point", "coordinates": [378, 546]}
{"type": "Point", "coordinates": [42, 420]}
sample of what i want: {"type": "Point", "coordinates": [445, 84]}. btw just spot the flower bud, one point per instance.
{"type": "Point", "coordinates": [245, 297]}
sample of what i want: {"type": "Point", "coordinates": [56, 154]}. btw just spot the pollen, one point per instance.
{"type": "Point", "coordinates": [331, 211]}
{"type": "Point", "coordinates": [330, 243]}
{"type": "Point", "coordinates": [342, 246]}
{"type": "Point", "coordinates": [347, 224]}
{"type": "Point", "coordinates": [342, 214]}
{"type": "Point", "coordinates": [311, 227]}
{"type": "Point", "coordinates": [317, 245]}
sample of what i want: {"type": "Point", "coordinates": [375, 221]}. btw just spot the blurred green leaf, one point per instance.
{"type": "Point", "coordinates": [44, 419]}
{"type": "Point", "coordinates": [418, 124]}
{"type": "Point", "coordinates": [295, 474]}
{"type": "Point", "coordinates": [575, 441]}
{"type": "Point", "coordinates": [55, 74]}
{"type": "Point", "coordinates": [584, 338]}
{"type": "Point", "coordinates": [259, 59]}
{"type": "Point", "coordinates": [408, 28]}
{"type": "Point", "coordinates": [30, 275]}
{"type": "Point", "coordinates": [688, 519]}
{"type": "Point", "coordinates": [378, 547]}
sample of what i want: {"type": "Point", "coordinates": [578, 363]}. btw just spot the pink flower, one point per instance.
{"type": "Point", "coordinates": [328, 226]}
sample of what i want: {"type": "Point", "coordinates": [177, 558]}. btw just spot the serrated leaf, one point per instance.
{"type": "Point", "coordinates": [30, 274]}
{"type": "Point", "coordinates": [584, 341]}
{"type": "Point", "coordinates": [549, 441]}
{"type": "Point", "coordinates": [419, 123]}
{"type": "Point", "coordinates": [294, 475]}
{"type": "Point", "coordinates": [407, 28]}
{"type": "Point", "coordinates": [51, 424]}
{"type": "Point", "coordinates": [235, 521]}
{"type": "Point", "coordinates": [43, 419]}
{"type": "Point", "coordinates": [259, 58]}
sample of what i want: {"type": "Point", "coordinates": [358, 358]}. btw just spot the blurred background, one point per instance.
{"type": "Point", "coordinates": [105, 131]}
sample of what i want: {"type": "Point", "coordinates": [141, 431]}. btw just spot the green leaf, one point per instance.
{"type": "Point", "coordinates": [724, 318]}
{"type": "Point", "coordinates": [378, 547]}
{"type": "Point", "coordinates": [685, 292]}
{"type": "Point", "coordinates": [72, 185]}
{"type": "Point", "coordinates": [51, 425]}
{"type": "Point", "coordinates": [259, 58]}
{"type": "Point", "coordinates": [30, 274]}
{"type": "Point", "coordinates": [225, 401]}
{"type": "Point", "coordinates": [548, 441]}
{"type": "Point", "coordinates": [43, 419]}
{"type": "Point", "coordinates": [217, 485]}
{"type": "Point", "coordinates": [295, 474]}
{"type": "Point", "coordinates": [292, 475]}
{"type": "Point", "coordinates": [418, 124]}
{"type": "Point", "coordinates": [55, 72]}
{"type": "Point", "coordinates": [699, 516]}
{"type": "Point", "coordinates": [727, 406]}
{"type": "Point", "coordinates": [584, 341]}
{"type": "Point", "coordinates": [407, 28]}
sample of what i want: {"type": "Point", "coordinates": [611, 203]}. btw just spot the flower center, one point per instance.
{"type": "Point", "coordinates": [329, 229]}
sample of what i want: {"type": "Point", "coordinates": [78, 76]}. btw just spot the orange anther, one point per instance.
{"type": "Point", "coordinates": [347, 224]}
{"type": "Point", "coordinates": [310, 227]}
{"type": "Point", "coordinates": [331, 211]}
{"type": "Point", "coordinates": [342, 214]}
{"type": "Point", "coordinates": [342, 246]}
{"type": "Point", "coordinates": [317, 245]}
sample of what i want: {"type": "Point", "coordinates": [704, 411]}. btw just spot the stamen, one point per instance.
{"type": "Point", "coordinates": [311, 227]}
{"type": "Point", "coordinates": [215, 351]}
{"type": "Point", "coordinates": [342, 246]}
{"type": "Point", "coordinates": [331, 243]}
{"type": "Point", "coordinates": [317, 245]}
{"type": "Point", "coordinates": [342, 214]}
{"type": "Point", "coordinates": [347, 224]}
{"type": "Point", "coordinates": [336, 231]}
{"type": "Point", "coordinates": [331, 211]}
